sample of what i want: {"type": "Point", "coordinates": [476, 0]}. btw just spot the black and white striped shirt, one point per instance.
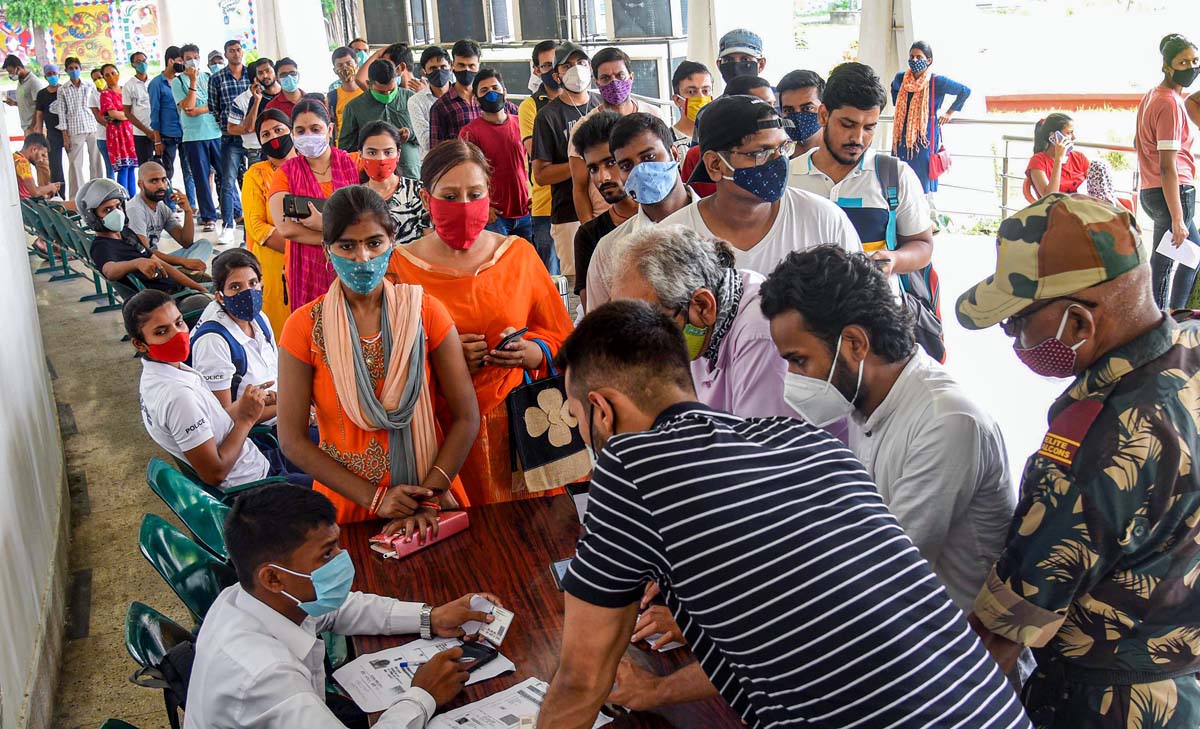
{"type": "Point", "coordinates": [799, 593]}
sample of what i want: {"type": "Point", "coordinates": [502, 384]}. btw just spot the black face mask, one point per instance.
{"type": "Point", "coordinates": [732, 69]}
{"type": "Point", "coordinates": [464, 78]}
{"type": "Point", "coordinates": [492, 102]}
{"type": "Point", "coordinates": [178, 67]}
{"type": "Point", "coordinates": [279, 147]}
{"type": "Point", "coordinates": [1186, 77]}
{"type": "Point", "coordinates": [549, 82]}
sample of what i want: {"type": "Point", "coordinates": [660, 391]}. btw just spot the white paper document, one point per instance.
{"type": "Point", "coordinates": [376, 680]}
{"type": "Point", "coordinates": [1187, 254]}
{"type": "Point", "coordinates": [506, 709]}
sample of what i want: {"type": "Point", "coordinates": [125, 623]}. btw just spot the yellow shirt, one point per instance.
{"type": "Point", "coordinates": [259, 226]}
{"type": "Point", "coordinates": [345, 97]}
{"type": "Point", "coordinates": [527, 113]}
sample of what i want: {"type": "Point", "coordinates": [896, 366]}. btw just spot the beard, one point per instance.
{"type": "Point", "coordinates": [845, 381]}
{"type": "Point", "coordinates": [835, 153]}
{"type": "Point", "coordinates": [613, 194]}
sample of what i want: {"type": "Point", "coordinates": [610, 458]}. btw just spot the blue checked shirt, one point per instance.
{"type": "Point", "coordinates": [223, 88]}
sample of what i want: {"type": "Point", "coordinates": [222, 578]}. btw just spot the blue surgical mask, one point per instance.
{"type": "Point", "coordinates": [360, 57]}
{"type": "Point", "coordinates": [52, 80]}
{"type": "Point", "coordinates": [767, 181]}
{"type": "Point", "coordinates": [918, 65]}
{"type": "Point", "coordinates": [74, 74]}
{"type": "Point", "coordinates": [331, 581]}
{"type": "Point", "coordinates": [244, 305]}
{"type": "Point", "coordinates": [114, 221]}
{"type": "Point", "coordinates": [140, 67]}
{"type": "Point", "coordinates": [649, 183]}
{"type": "Point", "coordinates": [213, 68]}
{"type": "Point", "coordinates": [289, 83]}
{"type": "Point", "coordinates": [804, 125]}
{"type": "Point", "coordinates": [361, 277]}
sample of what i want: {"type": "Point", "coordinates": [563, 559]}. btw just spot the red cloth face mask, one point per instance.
{"type": "Point", "coordinates": [1051, 357]}
{"type": "Point", "coordinates": [175, 349]}
{"type": "Point", "coordinates": [380, 169]}
{"type": "Point", "coordinates": [457, 223]}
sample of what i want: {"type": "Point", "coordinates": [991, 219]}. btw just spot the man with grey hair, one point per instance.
{"type": "Point", "coordinates": [149, 216]}
{"type": "Point", "coordinates": [735, 366]}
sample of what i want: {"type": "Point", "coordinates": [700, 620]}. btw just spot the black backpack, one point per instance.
{"type": "Point", "coordinates": [172, 675]}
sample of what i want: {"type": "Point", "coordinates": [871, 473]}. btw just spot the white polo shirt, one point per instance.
{"type": "Point", "coordinates": [180, 413]}
{"type": "Point", "coordinates": [939, 462]}
{"type": "Point", "coordinates": [805, 221]}
{"type": "Point", "coordinates": [860, 195]}
{"type": "Point", "coordinates": [212, 359]}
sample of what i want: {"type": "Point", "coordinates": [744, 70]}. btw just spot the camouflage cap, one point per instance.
{"type": "Point", "coordinates": [1057, 246]}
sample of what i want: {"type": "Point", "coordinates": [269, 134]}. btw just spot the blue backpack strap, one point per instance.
{"type": "Point", "coordinates": [887, 170]}
{"type": "Point", "coordinates": [237, 353]}
{"type": "Point", "coordinates": [266, 330]}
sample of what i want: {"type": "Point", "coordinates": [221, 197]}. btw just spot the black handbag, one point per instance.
{"type": "Point", "coordinates": [544, 436]}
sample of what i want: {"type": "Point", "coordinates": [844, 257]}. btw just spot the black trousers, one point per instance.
{"type": "Point", "coordinates": [144, 146]}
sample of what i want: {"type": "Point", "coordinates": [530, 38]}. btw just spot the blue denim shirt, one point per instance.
{"type": "Point", "coordinates": [164, 115]}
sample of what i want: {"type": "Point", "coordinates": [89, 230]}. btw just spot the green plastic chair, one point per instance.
{"type": "Point", "coordinates": [59, 266]}
{"type": "Point", "coordinates": [229, 495]}
{"type": "Point", "coordinates": [149, 636]}
{"type": "Point", "coordinates": [195, 576]}
{"type": "Point", "coordinates": [201, 512]}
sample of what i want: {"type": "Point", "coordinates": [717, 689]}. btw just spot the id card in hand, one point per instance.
{"type": "Point", "coordinates": [494, 631]}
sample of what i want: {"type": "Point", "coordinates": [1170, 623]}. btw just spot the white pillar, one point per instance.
{"type": "Point", "coordinates": [885, 34]}
{"type": "Point", "coordinates": [296, 29]}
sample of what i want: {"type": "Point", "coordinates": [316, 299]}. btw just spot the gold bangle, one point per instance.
{"type": "Point", "coordinates": [445, 475]}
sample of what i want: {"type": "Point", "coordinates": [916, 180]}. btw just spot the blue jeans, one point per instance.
{"type": "Point", "coordinates": [543, 242]}
{"type": "Point", "coordinates": [233, 156]}
{"type": "Point", "coordinates": [522, 227]}
{"type": "Point", "coordinates": [202, 158]}
{"type": "Point", "coordinates": [170, 150]}
{"type": "Point", "coordinates": [1168, 293]}
{"type": "Point", "coordinates": [103, 146]}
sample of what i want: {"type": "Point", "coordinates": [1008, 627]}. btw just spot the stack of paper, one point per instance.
{"type": "Point", "coordinates": [517, 706]}
{"type": "Point", "coordinates": [1187, 254]}
{"type": "Point", "coordinates": [376, 680]}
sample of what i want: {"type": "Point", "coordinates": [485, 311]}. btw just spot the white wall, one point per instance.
{"type": "Point", "coordinates": [31, 462]}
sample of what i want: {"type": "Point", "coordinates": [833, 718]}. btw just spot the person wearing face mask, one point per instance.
{"type": "Point", "coordinates": [135, 100]}
{"type": "Point", "coordinates": [201, 133]}
{"type": "Point", "coordinates": [316, 171]}
{"type": "Point", "coordinates": [226, 84]}
{"type": "Point", "coordinates": [165, 120]}
{"type": "Point", "coordinates": [263, 239]}
{"type": "Point", "coordinates": [918, 94]}
{"type": "Point", "coordinates": [551, 153]}
{"type": "Point", "coordinates": [102, 121]}
{"type": "Point", "coordinates": [119, 253]}
{"type": "Point", "coordinates": [937, 459]}
{"type": "Point", "coordinates": [345, 89]}
{"type": "Point", "coordinates": [649, 171]}
{"type": "Point", "coordinates": [744, 149]}
{"type": "Point", "coordinates": [435, 69]}
{"type": "Point", "coordinates": [379, 156]}
{"type": "Point", "coordinates": [1168, 167]}
{"type": "Point", "coordinates": [122, 155]}
{"type": "Point", "coordinates": [79, 126]}
{"type": "Point", "coordinates": [46, 116]}
{"type": "Point", "coordinates": [148, 216]}
{"type": "Point", "coordinates": [385, 101]}
{"type": "Point", "coordinates": [800, 93]}
{"type": "Point", "coordinates": [543, 89]}
{"type": "Point", "coordinates": [740, 53]}
{"type": "Point", "coordinates": [740, 86]}
{"type": "Point", "coordinates": [383, 452]}
{"type": "Point", "coordinates": [497, 132]}
{"type": "Point", "coordinates": [814, 573]}
{"type": "Point", "coordinates": [457, 108]}
{"type": "Point", "coordinates": [692, 84]}
{"type": "Point", "coordinates": [28, 86]}
{"type": "Point", "coordinates": [1098, 572]}
{"type": "Point", "coordinates": [591, 140]}
{"type": "Point", "coordinates": [245, 108]}
{"type": "Point", "coordinates": [492, 285]}
{"type": "Point", "coordinates": [259, 655]}
{"type": "Point", "coordinates": [216, 62]}
{"type": "Point", "coordinates": [233, 345]}
{"type": "Point", "coordinates": [613, 72]}
{"type": "Point", "coordinates": [288, 73]}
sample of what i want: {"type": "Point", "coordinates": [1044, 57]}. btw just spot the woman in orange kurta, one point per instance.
{"type": "Point", "coordinates": [274, 131]}
{"type": "Point", "coordinates": [492, 285]}
{"type": "Point", "coordinates": [393, 461]}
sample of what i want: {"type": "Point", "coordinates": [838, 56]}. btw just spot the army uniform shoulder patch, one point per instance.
{"type": "Point", "coordinates": [1068, 430]}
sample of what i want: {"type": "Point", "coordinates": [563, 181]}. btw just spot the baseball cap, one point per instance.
{"type": "Point", "coordinates": [564, 52]}
{"type": "Point", "coordinates": [1056, 247]}
{"type": "Point", "coordinates": [49, 69]}
{"type": "Point", "coordinates": [741, 40]}
{"type": "Point", "coordinates": [217, 55]}
{"type": "Point", "coordinates": [730, 119]}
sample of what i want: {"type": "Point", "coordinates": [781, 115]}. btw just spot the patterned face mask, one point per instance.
{"type": "Point", "coordinates": [918, 65]}
{"type": "Point", "coordinates": [804, 125]}
{"type": "Point", "coordinates": [1052, 357]}
{"type": "Point", "coordinates": [244, 305]}
{"type": "Point", "coordinates": [767, 181]}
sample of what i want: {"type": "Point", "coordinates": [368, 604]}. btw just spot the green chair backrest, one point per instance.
{"type": "Point", "coordinates": [149, 634]}
{"type": "Point", "coordinates": [191, 571]}
{"type": "Point", "coordinates": [202, 513]}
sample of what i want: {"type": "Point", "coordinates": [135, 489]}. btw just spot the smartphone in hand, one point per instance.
{"type": "Point", "coordinates": [512, 338]}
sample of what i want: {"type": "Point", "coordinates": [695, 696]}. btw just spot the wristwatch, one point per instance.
{"type": "Point", "coordinates": [427, 622]}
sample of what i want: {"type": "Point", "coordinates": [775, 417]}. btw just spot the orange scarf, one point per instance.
{"type": "Point", "coordinates": [912, 129]}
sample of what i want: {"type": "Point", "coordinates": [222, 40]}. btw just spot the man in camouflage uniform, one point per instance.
{"type": "Point", "coordinates": [1100, 572]}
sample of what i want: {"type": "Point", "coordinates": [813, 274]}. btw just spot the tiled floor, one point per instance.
{"type": "Point", "coordinates": [96, 385]}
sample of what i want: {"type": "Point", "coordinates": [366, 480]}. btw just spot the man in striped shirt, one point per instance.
{"type": "Point", "coordinates": [800, 595]}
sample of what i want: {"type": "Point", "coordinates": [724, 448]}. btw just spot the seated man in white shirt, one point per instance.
{"type": "Point", "coordinates": [744, 147]}
{"type": "Point", "coordinates": [259, 662]}
{"type": "Point", "coordinates": [938, 460]}
{"type": "Point", "coordinates": [149, 216]}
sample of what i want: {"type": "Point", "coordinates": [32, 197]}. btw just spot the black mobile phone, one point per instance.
{"type": "Point", "coordinates": [478, 652]}
{"type": "Point", "coordinates": [296, 206]}
{"type": "Point", "coordinates": [511, 338]}
{"type": "Point", "coordinates": [558, 569]}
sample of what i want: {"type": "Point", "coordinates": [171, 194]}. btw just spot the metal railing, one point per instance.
{"type": "Point", "coordinates": [1005, 175]}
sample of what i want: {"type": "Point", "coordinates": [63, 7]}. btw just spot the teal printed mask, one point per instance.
{"type": "Point", "coordinates": [361, 277]}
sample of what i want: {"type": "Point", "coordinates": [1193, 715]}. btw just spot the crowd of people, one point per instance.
{"type": "Point", "coordinates": [758, 315]}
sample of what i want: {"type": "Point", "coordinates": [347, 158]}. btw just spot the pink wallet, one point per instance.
{"type": "Point", "coordinates": [395, 546]}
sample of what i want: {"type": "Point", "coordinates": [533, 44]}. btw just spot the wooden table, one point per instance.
{"type": "Point", "coordinates": [507, 551]}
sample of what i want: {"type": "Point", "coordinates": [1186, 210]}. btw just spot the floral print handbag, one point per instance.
{"type": "Point", "coordinates": [545, 438]}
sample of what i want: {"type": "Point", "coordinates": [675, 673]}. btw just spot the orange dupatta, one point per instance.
{"type": "Point", "coordinates": [915, 130]}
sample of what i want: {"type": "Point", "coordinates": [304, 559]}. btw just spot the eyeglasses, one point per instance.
{"type": "Point", "coordinates": [547, 66]}
{"type": "Point", "coordinates": [764, 156]}
{"type": "Point", "coordinates": [1012, 326]}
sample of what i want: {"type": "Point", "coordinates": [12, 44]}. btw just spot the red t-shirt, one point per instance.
{"type": "Point", "coordinates": [501, 144]}
{"type": "Point", "coordinates": [690, 161]}
{"type": "Point", "coordinates": [1074, 169]}
{"type": "Point", "coordinates": [282, 103]}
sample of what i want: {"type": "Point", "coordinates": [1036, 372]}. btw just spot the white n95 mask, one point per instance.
{"type": "Point", "coordinates": [818, 401]}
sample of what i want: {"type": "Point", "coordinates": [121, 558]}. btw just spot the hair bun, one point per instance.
{"type": "Point", "coordinates": [1169, 38]}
